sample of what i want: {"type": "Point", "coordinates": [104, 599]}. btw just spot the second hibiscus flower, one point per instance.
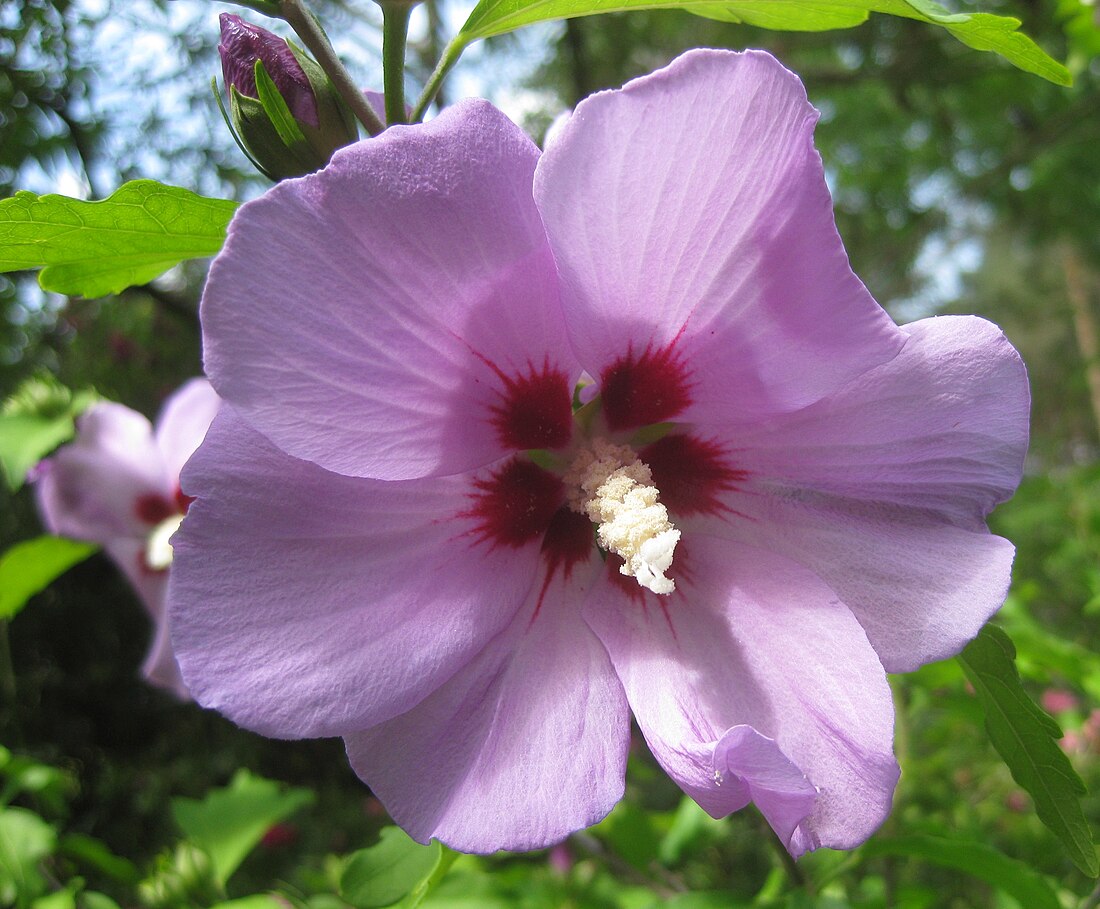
{"type": "Point", "coordinates": [406, 535]}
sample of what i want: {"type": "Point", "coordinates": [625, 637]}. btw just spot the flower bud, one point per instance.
{"type": "Point", "coordinates": [284, 111]}
{"type": "Point", "coordinates": [183, 877]}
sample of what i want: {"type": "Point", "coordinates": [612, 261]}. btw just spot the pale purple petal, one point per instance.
{"type": "Point", "coordinates": [744, 758]}
{"type": "Point", "coordinates": [521, 748]}
{"type": "Point", "coordinates": [377, 102]}
{"type": "Point", "coordinates": [151, 586]}
{"type": "Point", "coordinates": [384, 317]}
{"type": "Point", "coordinates": [694, 233]}
{"type": "Point", "coordinates": [94, 487]}
{"type": "Point", "coordinates": [750, 639]}
{"type": "Point", "coordinates": [882, 489]}
{"type": "Point", "coordinates": [183, 422]}
{"type": "Point", "coordinates": [306, 603]}
{"type": "Point", "coordinates": [159, 667]}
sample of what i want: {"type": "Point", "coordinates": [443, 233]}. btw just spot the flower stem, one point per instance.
{"type": "Point", "coordinates": [306, 28]}
{"type": "Point", "coordinates": [446, 64]}
{"type": "Point", "coordinates": [395, 30]}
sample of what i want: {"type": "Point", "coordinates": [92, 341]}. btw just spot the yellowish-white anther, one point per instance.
{"type": "Point", "coordinates": [615, 490]}
{"type": "Point", "coordinates": [158, 551]}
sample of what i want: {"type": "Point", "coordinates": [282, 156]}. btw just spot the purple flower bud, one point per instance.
{"type": "Point", "coordinates": [242, 44]}
{"type": "Point", "coordinates": [321, 121]}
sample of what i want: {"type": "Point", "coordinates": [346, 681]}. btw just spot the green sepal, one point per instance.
{"type": "Point", "coordinates": [337, 125]}
{"type": "Point", "coordinates": [260, 136]}
{"type": "Point", "coordinates": [233, 132]}
{"type": "Point", "coordinates": [276, 108]}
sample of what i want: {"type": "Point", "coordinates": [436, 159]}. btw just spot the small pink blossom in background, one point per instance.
{"type": "Point", "coordinates": [1091, 729]}
{"type": "Point", "coordinates": [560, 859]}
{"type": "Point", "coordinates": [279, 836]}
{"type": "Point", "coordinates": [1072, 742]}
{"type": "Point", "coordinates": [394, 536]}
{"type": "Point", "coordinates": [1083, 740]}
{"type": "Point", "coordinates": [117, 484]}
{"type": "Point", "coordinates": [1058, 700]}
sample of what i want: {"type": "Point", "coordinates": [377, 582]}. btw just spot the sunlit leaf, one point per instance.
{"type": "Point", "coordinates": [396, 868]}
{"type": "Point", "coordinates": [229, 822]}
{"type": "Point", "coordinates": [31, 566]}
{"type": "Point", "coordinates": [978, 860]}
{"type": "Point", "coordinates": [981, 31]}
{"type": "Point", "coordinates": [98, 248]}
{"type": "Point", "coordinates": [1026, 738]}
{"type": "Point", "coordinates": [34, 421]}
{"type": "Point", "coordinates": [25, 840]}
{"type": "Point", "coordinates": [420, 892]}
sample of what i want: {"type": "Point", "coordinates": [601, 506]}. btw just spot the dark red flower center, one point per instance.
{"type": "Point", "coordinates": [535, 410]}
{"type": "Point", "coordinates": [642, 389]}
{"type": "Point", "coordinates": [526, 500]}
{"type": "Point", "coordinates": [515, 505]}
{"type": "Point", "coordinates": [691, 473]}
{"type": "Point", "coordinates": [153, 509]}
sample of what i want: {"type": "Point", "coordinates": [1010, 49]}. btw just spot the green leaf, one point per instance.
{"type": "Point", "coordinates": [703, 900]}
{"type": "Point", "coordinates": [981, 31]}
{"type": "Point", "coordinates": [25, 840]}
{"type": "Point", "coordinates": [258, 901]}
{"type": "Point", "coordinates": [632, 833]}
{"type": "Point", "coordinates": [395, 868]}
{"type": "Point", "coordinates": [98, 248]}
{"type": "Point", "coordinates": [229, 822]}
{"type": "Point", "coordinates": [61, 899]}
{"type": "Point", "coordinates": [421, 891]}
{"type": "Point", "coordinates": [1015, 878]}
{"type": "Point", "coordinates": [691, 826]}
{"type": "Point", "coordinates": [51, 787]}
{"type": "Point", "coordinates": [34, 421]}
{"type": "Point", "coordinates": [1042, 653]}
{"type": "Point", "coordinates": [90, 899]}
{"type": "Point", "coordinates": [1026, 737]}
{"type": "Point", "coordinates": [30, 566]}
{"type": "Point", "coordinates": [94, 853]}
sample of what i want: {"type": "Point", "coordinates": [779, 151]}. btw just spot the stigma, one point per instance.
{"type": "Point", "coordinates": [610, 485]}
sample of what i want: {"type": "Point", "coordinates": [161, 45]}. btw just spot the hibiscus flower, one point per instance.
{"type": "Point", "coordinates": [518, 446]}
{"type": "Point", "coordinates": [117, 484]}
